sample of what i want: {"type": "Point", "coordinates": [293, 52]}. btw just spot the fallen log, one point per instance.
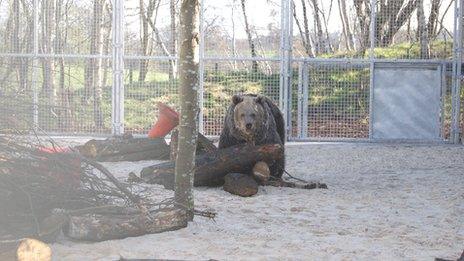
{"type": "Point", "coordinates": [125, 149]}
{"type": "Point", "coordinates": [95, 227]}
{"type": "Point", "coordinates": [213, 166]}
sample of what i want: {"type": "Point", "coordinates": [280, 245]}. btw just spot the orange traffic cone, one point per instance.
{"type": "Point", "coordinates": [168, 119]}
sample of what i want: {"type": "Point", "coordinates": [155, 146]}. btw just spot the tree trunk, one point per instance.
{"type": "Point", "coordinates": [363, 13]}
{"type": "Point", "coordinates": [94, 69]}
{"type": "Point", "coordinates": [251, 43]}
{"type": "Point", "coordinates": [321, 46]}
{"type": "Point", "coordinates": [48, 86]}
{"type": "Point", "coordinates": [433, 19]}
{"type": "Point", "coordinates": [188, 92]}
{"type": "Point", "coordinates": [64, 115]}
{"type": "Point", "coordinates": [422, 31]}
{"type": "Point", "coordinates": [307, 35]}
{"type": "Point", "coordinates": [143, 66]}
{"type": "Point", "coordinates": [346, 25]}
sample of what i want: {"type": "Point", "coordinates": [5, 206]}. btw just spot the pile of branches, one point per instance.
{"type": "Point", "coordinates": [46, 190]}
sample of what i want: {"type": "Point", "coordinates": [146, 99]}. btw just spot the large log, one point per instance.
{"type": "Point", "coordinates": [204, 145]}
{"type": "Point", "coordinates": [213, 166]}
{"type": "Point", "coordinates": [95, 227]}
{"type": "Point", "coordinates": [125, 149]}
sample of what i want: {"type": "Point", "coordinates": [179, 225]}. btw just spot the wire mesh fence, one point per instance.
{"type": "Point", "coordinates": [57, 57]}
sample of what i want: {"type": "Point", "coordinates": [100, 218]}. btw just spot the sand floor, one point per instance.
{"type": "Point", "coordinates": [384, 202]}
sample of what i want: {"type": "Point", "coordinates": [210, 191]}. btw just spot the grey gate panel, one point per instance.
{"type": "Point", "coordinates": [406, 102]}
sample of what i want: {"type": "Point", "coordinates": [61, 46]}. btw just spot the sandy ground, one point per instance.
{"type": "Point", "coordinates": [384, 202]}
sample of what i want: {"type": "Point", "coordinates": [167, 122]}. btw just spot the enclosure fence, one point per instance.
{"type": "Point", "coordinates": [378, 70]}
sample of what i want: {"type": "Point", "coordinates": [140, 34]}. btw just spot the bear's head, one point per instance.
{"type": "Point", "coordinates": [250, 116]}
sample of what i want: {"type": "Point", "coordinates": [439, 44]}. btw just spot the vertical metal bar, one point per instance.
{"type": "Point", "coordinates": [285, 63]}
{"type": "Point", "coordinates": [290, 60]}
{"type": "Point", "coordinates": [305, 99]}
{"type": "Point", "coordinates": [201, 87]}
{"type": "Point", "coordinates": [117, 97]}
{"type": "Point", "coordinates": [372, 65]}
{"type": "Point", "coordinates": [300, 101]}
{"type": "Point", "coordinates": [283, 34]}
{"type": "Point", "coordinates": [456, 77]}
{"type": "Point", "coordinates": [34, 76]}
{"type": "Point", "coordinates": [442, 99]}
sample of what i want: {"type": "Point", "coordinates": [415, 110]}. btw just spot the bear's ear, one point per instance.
{"type": "Point", "coordinates": [259, 99]}
{"type": "Point", "coordinates": [236, 99]}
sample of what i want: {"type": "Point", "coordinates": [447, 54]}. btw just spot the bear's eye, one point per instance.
{"type": "Point", "coordinates": [253, 115]}
{"type": "Point", "coordinates": [242, 115]}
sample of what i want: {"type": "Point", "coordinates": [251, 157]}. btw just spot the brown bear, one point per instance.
{"type": "Point", "coordinates": [254, 119]}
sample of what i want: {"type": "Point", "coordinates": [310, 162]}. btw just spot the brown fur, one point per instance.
{"type": "Point", "coordinates": [265, 125]}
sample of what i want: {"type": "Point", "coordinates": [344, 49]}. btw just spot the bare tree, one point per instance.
{"type": "Point", "coordinates": [153, 9]}
{"type": "Point", "coordinates": [189, 82]}
{"type": "Point", "coordinates": [145, 17]}
{"type": "Point", "coordinates": [64, 113]}
{"type": "Point", "coordinates": [422, 31]}
{"type": "Point", "coordinates": [363, 12]}
{"type": "Point", "coordinates": [48, 85]}
{"type": "Point", "coordinates": [93, 66]}
{"type": "Point", "coordinates": [251, 43]}
{"type": "Point", "coordinates": [304, 32]}
{"type": "Point", "coordinates": [347, 33]}
{"type": "Point", "coordinates": [320, 43]}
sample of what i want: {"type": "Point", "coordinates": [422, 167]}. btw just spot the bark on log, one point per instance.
{"type": "Point", "coordinates": [125, 149]}
{"type": "Point", "coordinates": [212, 167]}
{"type": "Point", "coordinates": [204, 145]}
{"type": "Point", "coordinates": [94, 227]}
{"type": "Point", "coordinates": [25, 250]}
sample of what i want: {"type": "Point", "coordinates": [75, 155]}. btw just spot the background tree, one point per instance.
{"type": "Point", "coordinates": [251, 42]}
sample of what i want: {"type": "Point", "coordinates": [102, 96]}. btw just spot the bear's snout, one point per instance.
{"type": "Point", "coordinates": [248, 126]}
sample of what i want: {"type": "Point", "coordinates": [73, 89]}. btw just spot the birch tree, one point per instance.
{"type": "Point", "coordinates": [422, 30]}
{"type": "Point", "coordinates": [251, 43]}
{"type": "Point", "coordinates": [189, 82]}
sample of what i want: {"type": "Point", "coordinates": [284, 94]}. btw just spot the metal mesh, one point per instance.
{"type": "Point", "coordinates": [333, 100]}
{"type": "Point", "coordinates": [228, 33]}
{"type": "Point", "coordinates": [75, 103]}
{"type": "Point", "coordinates": [409, 29]}
{"type": "Point", "coordinates": [343, 29]}
{"type": "Point", "coordinates": [16, 101]}
{"type": "Point", "coordinates": [146, 83]}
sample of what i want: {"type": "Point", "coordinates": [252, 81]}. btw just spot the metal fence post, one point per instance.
{"type": "Point", "coordinates": [372, 64]}
{"type": "Point", "coordinates": [34, 75]}
{"type": "Point", "coordinates": [304, 117]}
{"type": "Point", "coordinates": [117, 97]}
{"type": "Point", "coordinates": [285, 63]}
{"type": "Point", "coordinates": [456, 78]}
{"type": "Point", "coordinates": [201, 87]}
{"type": "Point", "coordinates": [300, 101]}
